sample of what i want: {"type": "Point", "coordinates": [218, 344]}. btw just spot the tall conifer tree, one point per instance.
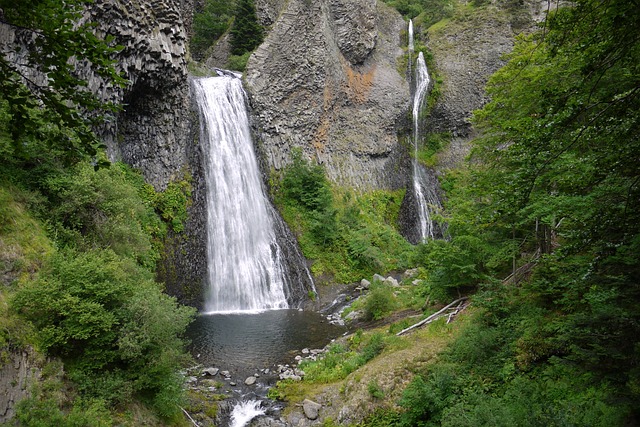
{"type": "Point", "coordinates": [246, 33]}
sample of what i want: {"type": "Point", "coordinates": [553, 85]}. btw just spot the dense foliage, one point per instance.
{"type": "Point", "coordinates": [209, 24]}
{"type": "Point", "coordinates": [108, 320]}
{"type": "Point", "coordinates": [544, 225]}
{"type": "Point", "coordinates": [427, 12]}
{"type": "Point", "coordinates": [79, 242]}
{"type": "Point", "coordinates": [246, 33]}
{"type": "Point", "coordinates": [347, 236]}
{"type": "Point", "coordinates": [53, 100]}
{"type": "Point", "coordinates": [238, 18]}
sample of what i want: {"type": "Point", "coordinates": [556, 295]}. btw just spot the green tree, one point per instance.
{"type": "Point", "coordinates": [305, 185]}
{"type": "Point", "coordinates": [246, 33]}
{"type": "Point", "coordinates": [50, 108]}
{"type": "Point", "coordinates": [559, 167]}
{"type": "Point", "coordinates": [209, 24]}
{"type": "Point", "coordinates": [118, 335]}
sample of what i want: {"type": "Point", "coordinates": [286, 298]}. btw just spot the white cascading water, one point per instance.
{"type": "Point", "coordinates": [244, 266]}
{"type": "Point", "coordinates": [411, 47]}
{"type": "Point", "coordinates": [424, 190]}
{"type": "Point", "coordinates": [244, 412]}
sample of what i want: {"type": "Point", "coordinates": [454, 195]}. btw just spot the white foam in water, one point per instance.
{"type": "Point", "coordinates": [244, 412]}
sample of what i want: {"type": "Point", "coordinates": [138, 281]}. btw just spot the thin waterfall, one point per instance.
{"type": "Point", "coordinates": [424, 181]}
{"type": "Point", "coordinates": [245, 269]}
{"type": "Point", "coordinates": [411, 45]}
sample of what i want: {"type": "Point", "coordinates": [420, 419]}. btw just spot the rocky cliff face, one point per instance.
{"type": "Point", "coordinates": [156, 130]}
{"type": "Point", "coordinates": [467, 51]}
{"type": "Point", "coordinates": [18, 373]}
{"type": "Point", "coordinates": [325, 80]}
{"type": "Point", "coordinates": [150, 133]}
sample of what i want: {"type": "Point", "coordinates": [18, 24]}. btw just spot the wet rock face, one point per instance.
{"type": "Point", "coordinates": [325, 80]}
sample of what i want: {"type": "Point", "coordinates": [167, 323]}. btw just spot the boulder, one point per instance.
{"type": "Point", "coordinates": [412, 272]}
{"type": "Point", "coordinates": [210, 371]}
{"type": "Point", "coordinates": [250, 380]}
{"type": "Point", "coordinates": [377, 278]}
{"type": "Point", "coordinates": [365, 284]}
{"type": "Point", "coordinates": [311, 409]}
{"type": "Point", "coordinates": [390, 281]}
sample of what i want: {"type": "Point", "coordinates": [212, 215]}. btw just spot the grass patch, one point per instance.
{"type": "Point", "coordinates": [432, 144]}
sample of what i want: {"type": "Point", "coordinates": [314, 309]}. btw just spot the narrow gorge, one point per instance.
{"type": "Point", "coordinates": [275, 213]}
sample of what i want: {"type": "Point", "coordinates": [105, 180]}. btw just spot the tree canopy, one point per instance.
{"type": "Point", "coordinates": [561, 167]}
{"type": "Point", "coordinates": [47, 103]}
{"type": "Point", "coordinates": [246, 33]}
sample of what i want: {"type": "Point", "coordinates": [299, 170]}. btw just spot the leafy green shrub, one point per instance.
{"type": "Point", "coordinates": [105, 317]}
{"type": "Point", "coordinates": [305, 186]}
{"type": "Point", "coordinates": [172, 203]}
{"type": "Point", "coordinates": [379, 302]}
{"type": "Point", "coordinates": [102, 209]}
{"type": "Point", "coordinates": [425, 398]}
{"type": "Point", "coordinates": [374, 390]}
{"type": "Point", "coordinates": [340, 361]}
{"type": "Point", "coordinates": [347, 236]}
{"type": "Point", "coordinates": [238, 62]}
{"type": "Point", "coordinates": [52, 403]}
{"type": "Point", "coordinates": [374, 347]}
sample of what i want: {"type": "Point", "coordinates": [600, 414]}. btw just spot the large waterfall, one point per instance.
{"type": "Point", "coordinates": [245, 265]}
{"type": "Point", "coordinates": [424, 181]}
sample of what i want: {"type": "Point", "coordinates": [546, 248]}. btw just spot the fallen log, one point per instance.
{"type": "Point", "coordinates": [433, 317]}
{"type": "Point", "coordinates": [189, 416]}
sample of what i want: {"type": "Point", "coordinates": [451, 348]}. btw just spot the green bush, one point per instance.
{"type": "Point", "coordinates": [348, 236]}
{"type": "Point", "coordinates": [238, 62]}
{"type": "Point", "coordinates": [305, 186]}
{"type": "Point", "coordinates": [374, 347]}
{"type": "Point", "coordinates": [375, 392]}
{"type": "Point", "coordinates": [118, 335]}
{"type": "Point", "coordinates": [103, 209]}
{"type": "Point", "coordinates": [379, 302]}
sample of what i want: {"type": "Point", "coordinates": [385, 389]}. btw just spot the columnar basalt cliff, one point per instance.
{"type": "Point", "coordinates": [466, 52]}
{"type": "Point", "coordinates": [155, 130]}
{"type": "Point", "coordinates": [325, 80]}
{"type": "Point", "coordinates": [151, 131]}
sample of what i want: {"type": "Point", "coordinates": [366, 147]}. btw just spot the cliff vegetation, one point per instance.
{"type": "Point", "coordinates": [79, 238]}
{"type": "Point", "coordinates": [542, 234]}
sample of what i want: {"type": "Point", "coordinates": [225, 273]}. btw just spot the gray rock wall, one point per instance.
{"type": "Point", "coordinates": [151, 131]}
{"type": "Point", "coordinates": [156, 131]}
{"type": "Point", "coordinates": [17, 374]}
{"type": "Point", "coordinates": [325, 80]}
{"type": "Point", "coordinates": [466, 53]}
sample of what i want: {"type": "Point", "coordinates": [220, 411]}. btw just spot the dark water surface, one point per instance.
{"type": "Point", "coordinates": [243, 342]}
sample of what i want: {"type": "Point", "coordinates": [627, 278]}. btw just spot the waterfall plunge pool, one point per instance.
{"type": "Point", "coordinates": [244, 343]}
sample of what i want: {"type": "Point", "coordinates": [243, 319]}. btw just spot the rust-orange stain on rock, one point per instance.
{"type": "Point", "coordinates": [358, 84]}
